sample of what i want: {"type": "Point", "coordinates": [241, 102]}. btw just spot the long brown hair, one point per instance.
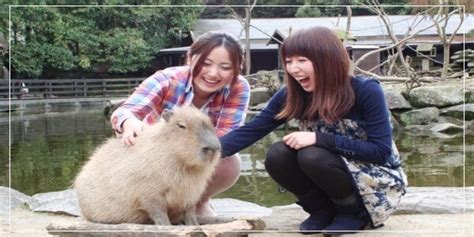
{"type": "Point", "coordinates": [206, 42]}
{"type": "Point", "coordinates": [332, 96]}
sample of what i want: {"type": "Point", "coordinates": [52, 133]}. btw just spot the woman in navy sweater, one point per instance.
{"type": "Point", "coordinates": [342, 165]}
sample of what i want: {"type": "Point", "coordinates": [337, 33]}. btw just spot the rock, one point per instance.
{"type": "Point", "coordinates": [7, 203]}
{"type": "Point", "coordinates": [419, 116]}
{"type": "Point", "coordinates": [407, 218]}
{"type": "Point", "coordinates": [447, 199]}
{"type": "Point", "coordinates": [395, 100]}
{"type": "Point", "coordinates": [250, 115]}
{"type": "Point", "coordinates": [416, 129]}
{"type": "Point", "coordinates": [438, 96]}
{"type": "Point", "coordinates": [437, 200]}
{"type": "Point", "coordinates": [258, 107]}
{"type": "Point", "coordinates": [285, 217]}
{"type": "Point", "coordinates": [457, 111]}
{"type": "Point", "coordinates": [417, 200]}
{"type": "Point", "coordinates": [394, 123]}
{"type": "Point", "coordinates": [447, 128]}
{"type": "Point", "coordinates": [259, 95]}
{"type": "Point", "coordinates": [469, 95]}
{"type": "Point", "coordinates": [267, 79]}
{"type": "Point", "coordinates": [64, 202]}
{"type": "Point", "coordinates": [293, 124]}
{"type": "Point", "coordinates": [233, 208]}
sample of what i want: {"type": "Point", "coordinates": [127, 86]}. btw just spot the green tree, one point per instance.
{"type": "Point", "coordinates": [216, 9]}
{"type": "Point", "coordinates": [51, 42]}
{"type": "Point", "coordinates": [356, 5]}
{"type": "Point", "coordinates": [308, 11]}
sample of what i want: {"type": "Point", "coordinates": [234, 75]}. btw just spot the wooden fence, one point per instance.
{"type": "Point", "coordinates": [52, 88]}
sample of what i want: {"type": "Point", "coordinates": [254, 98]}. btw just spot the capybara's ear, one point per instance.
{"type": "Point", "coordinates": [166, 114]}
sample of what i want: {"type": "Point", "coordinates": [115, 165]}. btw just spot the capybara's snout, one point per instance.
{"type": "Point", "coordinates": [211, 144]}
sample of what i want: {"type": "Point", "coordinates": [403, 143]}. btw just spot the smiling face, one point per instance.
{"type": "Point", "coordinates": [216, 72]}
{"type": "Point", "coordinates": [302, 71]}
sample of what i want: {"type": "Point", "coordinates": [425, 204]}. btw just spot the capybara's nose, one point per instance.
{"type": "Point", "coordinates": [211, 142]}
{"type": "Point", "coordinates": [212, 148]}
{"type": "Point", "coordinates": [208, 150]}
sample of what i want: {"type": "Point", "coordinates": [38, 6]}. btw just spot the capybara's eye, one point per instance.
{"type": "Point", "coordinates": [182, 124]}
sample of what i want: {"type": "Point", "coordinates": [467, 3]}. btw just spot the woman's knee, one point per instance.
{"type": "Point", "coordinates": [278, 156]}
{"type": "Point", "coordinates": [315, 158]}
{"type": "Point", "coordinates": [228, 169]}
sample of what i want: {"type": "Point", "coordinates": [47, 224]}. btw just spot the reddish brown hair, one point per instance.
{"type": "Point", "coordinates": [205, 43]}
{"type": "Point", "coordinates": [332, 96]}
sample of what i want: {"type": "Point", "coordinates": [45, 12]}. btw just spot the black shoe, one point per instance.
{"type": "Point", "coordinates": [321, 210]}
{"type": "Point", "coordinates": [317, 221]}
{"type": "Point", "coordinates": [351, 217]}
{"type": "Point", "coordinates": [346, 224]}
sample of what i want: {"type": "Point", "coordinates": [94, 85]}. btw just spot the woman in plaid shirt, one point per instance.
{"type": "Point", "coordinates": [210, 81]}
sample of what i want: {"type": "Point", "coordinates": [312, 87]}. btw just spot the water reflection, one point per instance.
{"type": "Point", "coordinates": [48, 149]}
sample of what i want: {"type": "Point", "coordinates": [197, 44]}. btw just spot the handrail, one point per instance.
{"type": "Point", "coordinates": [53, 88]}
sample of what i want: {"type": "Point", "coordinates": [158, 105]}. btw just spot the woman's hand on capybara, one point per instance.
{"type": "Point", "coordinates": [132, 127]}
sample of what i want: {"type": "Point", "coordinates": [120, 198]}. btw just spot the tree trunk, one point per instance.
{"type": "Point", "coordinates": [248, 61]}
{"type": "Point", "coordinates": [446, 52]}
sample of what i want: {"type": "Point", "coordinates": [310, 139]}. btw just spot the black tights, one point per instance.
{"type": "Point", "coordinates": [307, 169]}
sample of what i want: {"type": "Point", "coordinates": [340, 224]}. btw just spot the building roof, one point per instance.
{"type": "Point", "coordinates": [362, 27]}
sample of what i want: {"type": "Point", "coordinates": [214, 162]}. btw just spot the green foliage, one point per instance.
{"type": "Point", "coordinates": [264, 11]}
{"type": "Point", "coordinates": [219, 9]}
{"type": "Point", "coordinates": [52, 41]}
{"type": "Point", "coordinates": [338, 7]}
{"type": "Point", "coordinates": [470, 32]}
{"type": "Point", "coordinates": [308, 11]}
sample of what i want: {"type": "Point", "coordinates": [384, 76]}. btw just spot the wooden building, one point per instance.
{"type": "Point", "coordinates": [366, 33]}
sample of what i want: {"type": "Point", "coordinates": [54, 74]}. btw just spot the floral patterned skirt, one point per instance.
{"type": "Point", "coordinates": [380, 188]}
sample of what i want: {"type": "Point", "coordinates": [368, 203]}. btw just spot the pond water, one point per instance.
{"type": "Point", "coordinates": [48, 147]}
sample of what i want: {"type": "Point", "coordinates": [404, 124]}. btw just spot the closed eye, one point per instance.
{"type": "Point", "coordinates": [182, 124]}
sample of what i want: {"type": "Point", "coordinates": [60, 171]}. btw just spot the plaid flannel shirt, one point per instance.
{"type": "Point", "coordinates": [173, 87]}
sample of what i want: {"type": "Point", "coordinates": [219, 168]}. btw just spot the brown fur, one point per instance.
{"type": "Point", "coordinates": [159, 179]}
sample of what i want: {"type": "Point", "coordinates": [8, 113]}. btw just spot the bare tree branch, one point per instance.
{"type": "Point", "coordinates": [443, 11]}
{"type": "Point", "coordinates": [265, 33]}
{"type": "Point", "coordinates": [348, 23]}
{"type": "Point", "coordinates": [391, 46]}
{"type": "Point", "coordinates": [379, 65]}
{"type": "Point", "coordinates": [245, 22]}
{"type": "Point", "coordinates": [382, 78]}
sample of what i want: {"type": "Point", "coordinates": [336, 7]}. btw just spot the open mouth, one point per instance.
{"type": "Point", "coordinates": [212, 83]}
{"type": "Point", "coordinates": [304, 82]}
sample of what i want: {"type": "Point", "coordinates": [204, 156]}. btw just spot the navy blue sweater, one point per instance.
{"type": "Point", "coordinates": [369, 107]}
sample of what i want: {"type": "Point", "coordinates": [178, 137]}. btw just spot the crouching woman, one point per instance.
{"type": "Point", "coordinates": [342, 165]}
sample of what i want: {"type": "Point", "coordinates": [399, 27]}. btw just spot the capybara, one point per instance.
{"type": "Point", "coordinates": [158, 180]}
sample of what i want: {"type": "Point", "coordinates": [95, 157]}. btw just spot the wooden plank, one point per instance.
{"type": "Point", "coordinates": [72, 87]}
{"type": "Point", "coordinates": [83, 228]}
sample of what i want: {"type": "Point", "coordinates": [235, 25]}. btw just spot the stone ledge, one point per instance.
{"type": "Point", "coordinates": [418, 200]}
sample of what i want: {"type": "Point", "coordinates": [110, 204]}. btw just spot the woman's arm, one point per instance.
{"type": "Point", "coordinates": [141, 102]}
{"type": "Point", "coordinates": [378, 146]}
{"type": "Point", "coordinates": [258, 127]}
